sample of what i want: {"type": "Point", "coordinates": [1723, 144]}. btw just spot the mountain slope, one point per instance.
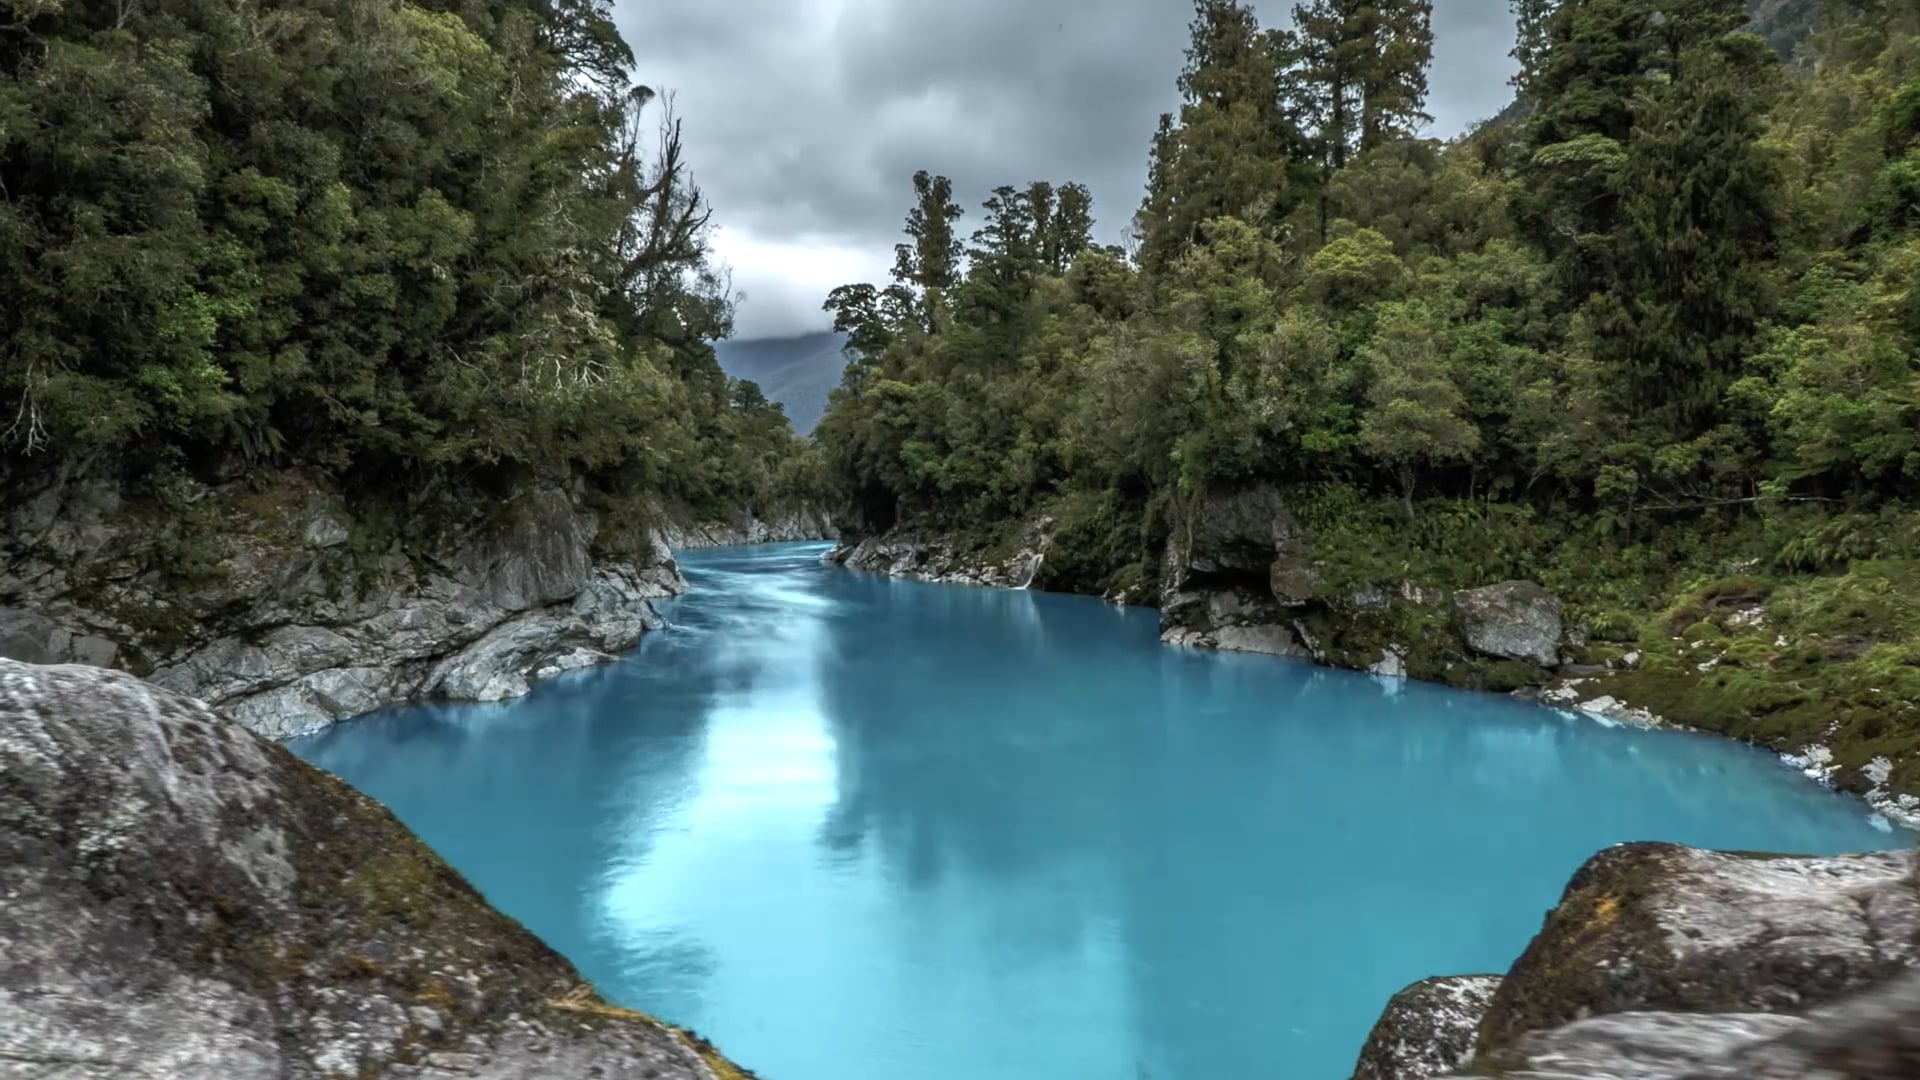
{"type": "Point", "coordinates": [797, 372]}
{"type": "Point", "coordinates": [1784, 23]}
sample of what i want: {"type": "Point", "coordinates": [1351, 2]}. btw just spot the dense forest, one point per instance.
{"type": "Point", "coordinates": [383, 242]}
{"type": "Point", "coordinates": [1650, 338]}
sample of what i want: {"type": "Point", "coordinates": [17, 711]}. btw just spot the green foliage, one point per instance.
{"type": "Point", "coordinates": [1414, 418]}
{"type": "Point", "coordinates": [1228, 153]}
{"type": "Point", "coordinates": [1666, 325]}
{"type": "Point", "coordinates": [378, 239]}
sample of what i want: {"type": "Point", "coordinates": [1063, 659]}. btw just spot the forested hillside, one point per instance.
{"type": "Point", "coordinates": [1653, 346]}
{"type": "Point", "coordinates": [798, 372]}
{"type": "Point", "coordinates": [383, 242]}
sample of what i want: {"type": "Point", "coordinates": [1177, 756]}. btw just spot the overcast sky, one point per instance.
{"type": "Point", "coordinates": [806, 119]}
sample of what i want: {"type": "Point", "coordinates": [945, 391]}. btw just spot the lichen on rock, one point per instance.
{"type": "Point", "coordinates": [1874, 1035]}
{"type": "Point", "coordinates": [187, 899]}
{"type": "Point", "coordinates": [1664, 962]}
{"type": "Point", "coordinates": [1514, 620]}
{"type": "Point", "coordinates": [1429, 1029]}
{"type": "Point", "coordinates": [1665, 927]}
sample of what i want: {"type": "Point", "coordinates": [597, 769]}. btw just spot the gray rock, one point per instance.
{"type": "Point", "coordinates": [803, 523]}
{"type": "Point", "coordinates": [1268, 639]}
{"type": "Point", "coordinates": [1392, 663]}
{"type": "Point", "coordinates": [293, 630]}
{"type": "Point", "coordinates": [1660, 927]}
{"type": "Point", "coordinates": [1239, 531]}
{"type": "Point", "coordinates": [539, 558]}
{"type": "Point", "coordinates": [1642, 1046]}
{"type": "Point", "coordinates": [1872, 1036]}
{"type": "Point", "coordinates": [932, 559]}
{"type": "Point", "coordinates": [1428, 1029]}
{"type": "Point", "coordinates": [26, 636]}
{"type": "Point", "coordinates": [1235, 564]}
{"type": "Point", "coordinates": [325, 530]}
{"type": "Point", "coordinates": [1515, 620]}
{"type": "Point", "coordinates": [498, 666]}
{"type": "Point", "coordinates": [92, 649]}
{"type": "Point", "coordinates": [1293, 580]}
{"type": "Point", "coordinates": [184, 899]}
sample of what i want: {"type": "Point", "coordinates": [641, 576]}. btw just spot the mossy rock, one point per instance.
{"type": "Point", "coordinates": [224, 909]}
{"type": "Point", "coordinates": [1428, 1029]}
{"type": "Point", "coordinates": [1660, 927]}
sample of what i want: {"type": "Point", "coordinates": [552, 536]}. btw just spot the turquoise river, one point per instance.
{"type": "Point", "coordinates": [850, 827]}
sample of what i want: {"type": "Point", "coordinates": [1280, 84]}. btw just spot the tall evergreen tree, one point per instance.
{"type": "Point", "coordinates": [1393, 76]}
{"type": "Point", "coordinates": [1584, 95]}
{"type": "Point", "coordinates": [1533, 37]}
{"type": "Point", "coordinates": [1040, 199]}
{"type": "Point", "coordinates": [1004, 258]}
{"type": "Point", "coordinates": [1070, 231]}
{"type": "Point", "coordinates": [1330, 48]}
{"type": "Point", "coordinates": [1228, 153]}
{"type": "Point", "coordinates": [1357, 69]}
{"type": "Point", "coordinates": [1700, 218]}
{"type": "Point", "coordinates": [930, 264]}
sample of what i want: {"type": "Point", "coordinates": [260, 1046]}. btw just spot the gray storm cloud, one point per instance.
{"type": "Point", "coordinates": [806, 118]}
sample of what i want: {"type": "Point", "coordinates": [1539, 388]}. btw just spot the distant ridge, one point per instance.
{"type": "Point", "coordinates": [797, 372]}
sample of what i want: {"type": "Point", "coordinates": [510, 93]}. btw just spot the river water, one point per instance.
{"type": "Point", "coordinates": [850, 827]}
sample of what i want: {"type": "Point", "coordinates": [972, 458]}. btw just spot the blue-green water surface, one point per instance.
{"type": "Point", "coordinates": [850, 827]}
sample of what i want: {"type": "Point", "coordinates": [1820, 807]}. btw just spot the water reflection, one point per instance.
{"type": "Point", "coordinates": [853, 826]}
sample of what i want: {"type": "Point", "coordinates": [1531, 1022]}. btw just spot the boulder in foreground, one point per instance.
{"type": "Point", "coordinates": [1873, 1036]}
{"type": "Point", "coordinates": [186, 899]}
{"type": "Point", "coordinates": [1428, 1029]}
{"type": "Point", "coordinates": [1664, 962]}
{"type": "Point", "coordinates": [1670, 928]}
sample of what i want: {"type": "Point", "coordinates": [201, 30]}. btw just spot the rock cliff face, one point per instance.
{"type": "Point", "coordinates": [805, 523]}
{"type": "Point", "coordinates": [285, 609]}
{"type": "Point", "coordinates": [1240, 573]}
{"type": "Point", "coordinates": [932, 558]}
{"type": "Point", "coordinates": [186, 899]}
{"type": "Point", "coordinates": [1235, 575]}
{"type": "Point", "coordinates": [1663, 961]}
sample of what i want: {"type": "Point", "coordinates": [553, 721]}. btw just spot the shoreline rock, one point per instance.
{"type": "Point", "coordinates": [1514, 620]}
{"type": "Point", "coordinates": [1661, 927]}
{"type": "Point", "coordinates": [281, 607]}
{"type": "Point", "coordinates": [1662, 960]}
{"type": "Point", "coordinates": [1428, 1029]}
{"type": "Point", "coordinates": [805, 523]}
{"type": "Point", "coordinates": [186, 898]}
{"type": "Point", "coordinates": [939, 561]}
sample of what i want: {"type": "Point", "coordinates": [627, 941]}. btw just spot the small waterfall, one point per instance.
{"type": "Point", "coordinates": [1033, 573]}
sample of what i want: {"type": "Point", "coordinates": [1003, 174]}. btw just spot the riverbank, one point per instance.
{"type": "Point", "coordinates": [291, 605]}
{"type": "Point", "coordinates": [1809, 666]}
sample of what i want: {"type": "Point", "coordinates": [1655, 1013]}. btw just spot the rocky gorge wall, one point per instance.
{"type": "Point", "coordinates": [290, 611]}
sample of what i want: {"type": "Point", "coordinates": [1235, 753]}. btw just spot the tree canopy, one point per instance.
{"type": "Point", "coordinates": [380, 239]}
{"type": "Point", "coordinates": [1678, 280]}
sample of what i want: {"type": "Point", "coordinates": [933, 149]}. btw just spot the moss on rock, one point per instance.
{"type": "Point", "coordinates": [203, 892]}
{"type": "Point", "coordinates": [1664, 927]}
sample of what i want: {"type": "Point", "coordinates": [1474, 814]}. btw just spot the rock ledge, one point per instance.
{"type": "Point", "coordinates": [186, 899]}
